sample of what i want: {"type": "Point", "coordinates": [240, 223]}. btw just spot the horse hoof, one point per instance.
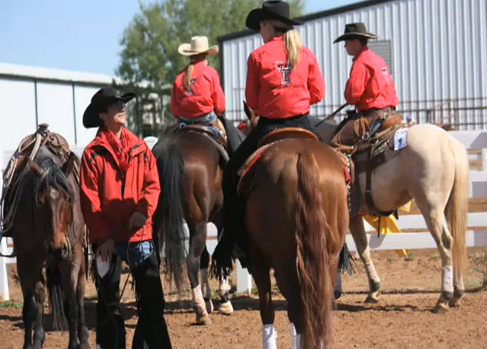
{"type": "Point", "coordinates": [209, 306]}
{"type": "Point", "coordinates": [203, 321]}
{"type": "Point", "coordinates": [441, 306]}
{"type": "Point", "coordinates": [440, 309]}
{"type": "Point", "coordinates": [455, 301]}
{"type": "Point", "coordinates": [225, 308]}
{"type": "Point", "coordinates": [84, 345]}
{"type": "Point", "coordinates": [372, 299]}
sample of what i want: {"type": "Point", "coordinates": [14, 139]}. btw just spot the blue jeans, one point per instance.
{"type": "Point", "coordinates": [205, 120]}
{"type": "Point", "coordinates": [134, 253]}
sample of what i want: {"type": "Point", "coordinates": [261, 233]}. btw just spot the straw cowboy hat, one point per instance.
{"type": "Point", "coordinates": [199, 44]}
{"type": "Point", "coordinates": [277, 10]}
{"type": "Point", "coordinates": [100, 100]}
{"type": "Point", "coordinates": [354, 31]}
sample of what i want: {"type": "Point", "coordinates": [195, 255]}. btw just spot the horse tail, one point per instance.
{"type": "Point", "coordinates": [312, 231]}
{"type": "Point", "coordinates": [56, 298]}
{"type": "Point", "coordinates": [171, 231]}
{"type": "Point", "coordinates": [457, 208]}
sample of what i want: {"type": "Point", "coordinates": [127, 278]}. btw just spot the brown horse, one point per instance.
{"type": "Point", "coordinates": [190, 171]}
{"type": "Point", "coordinates": [296, 217]}
{"type": "Point", "coordinates": [49, 232]}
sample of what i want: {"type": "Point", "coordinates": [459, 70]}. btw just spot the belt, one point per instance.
{"type": "Point", "coordinates": [372, 110]}
{"type": "Point", "coordinates": [266, 120]}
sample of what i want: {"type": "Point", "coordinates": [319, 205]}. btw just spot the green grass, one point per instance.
{"type": "Point", "coordinates": [410, 256]}
{"type": "Point", "coordinates": [11, 304]}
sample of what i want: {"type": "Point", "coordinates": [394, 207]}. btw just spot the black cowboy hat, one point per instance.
{"type": "Point", "coordinates": [277, 10]}
{"type": "Point", "coordinates": [99, 101]}
{"type": "Point", "coordinates": [354, 31]}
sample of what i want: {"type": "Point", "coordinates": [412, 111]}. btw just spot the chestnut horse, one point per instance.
{"type": "Point", "coordinates": [49, 232]}
{"type": "Point", "coordinates": [296, 218]}
{"type": "Point", "coordinates": [190, 172]}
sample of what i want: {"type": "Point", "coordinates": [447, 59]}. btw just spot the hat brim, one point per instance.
{"type": "Point", "coordinates": [258, 15]}
{"type": "Point", "coordinates": [185, 50]}
{"type": "Point", "coordinates": [91, 116]}
{"type": "Point", "coordinates": [353, 35]}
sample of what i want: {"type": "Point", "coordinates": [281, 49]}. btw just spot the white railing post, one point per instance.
{"type": "Point", "coordinates": [483, 159]}
{"type": "Point", "coordinates": [3, 249]}
{"type": "Point", "coordinates": [3, 272]}
{"type": "Point", "coordinates": [244, 279]}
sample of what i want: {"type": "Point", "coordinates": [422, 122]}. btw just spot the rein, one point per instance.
{"type": "Point", "coordinates": [332, 114]}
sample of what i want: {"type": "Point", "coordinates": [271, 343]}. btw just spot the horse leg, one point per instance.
{"type": "Point", "coordinates": [357, 230]}
{"type": "Point", "coordinates": [197, 242]}
{"type": "Point", "coordinates": [80, 298]}
{"type": "Point", "coordinates": [260, 272]}
{"type": "Point", "coordinates": [225, 307]}
{"type": "Point", "coordinates": [32, 283]}
{"type": "Point", "coordinates": [69, 272]}
{"type": "Point", "coordinates": [437, 225]}
{"type": "Point", "coordinates": [40, 297]}
{"type": "Point", "coordinates": [288, 282]}
{"type": "Point", "coordinates": [205, 283]}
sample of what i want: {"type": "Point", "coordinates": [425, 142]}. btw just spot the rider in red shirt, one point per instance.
{"type": "Point", "coordinates": [283, 80]}
{"type": "Point", "coordinates": [370, 87]}
{"type": "Point", "coordinates": [119, 189]}
{"type": "Point", "coordinates": [197, 96]}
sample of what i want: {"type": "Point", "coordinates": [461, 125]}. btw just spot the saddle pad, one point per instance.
{"type": "Point", "coordinates": [251, 160]}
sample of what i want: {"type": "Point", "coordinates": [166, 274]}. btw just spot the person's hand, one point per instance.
{"type": "Point", "coordinates": [137, 221]}
{"type": "Point", "coordinates": [106, 249]}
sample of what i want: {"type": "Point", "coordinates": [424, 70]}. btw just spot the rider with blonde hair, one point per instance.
{"type": "Point", "coordinates": [283, 80]}
{"type": "Point", "coordinates": [197, 96]}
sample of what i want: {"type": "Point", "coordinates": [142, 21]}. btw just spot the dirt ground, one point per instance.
{"type": "Point", "coordinates": [402, 319]}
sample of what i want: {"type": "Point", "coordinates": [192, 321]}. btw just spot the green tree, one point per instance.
{"type": "Point", "coordinates": [149, 57]}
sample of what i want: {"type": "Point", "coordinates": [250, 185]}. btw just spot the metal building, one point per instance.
{"type": "Point", "coordinates": [436, 50]}
{"type": "Point", "coordinates": [31, 95]}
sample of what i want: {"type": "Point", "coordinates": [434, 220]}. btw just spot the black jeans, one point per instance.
{"type": "Point", "coordinates": [234, 232]}
{"type": "Point", "coordinates": [151, 326]}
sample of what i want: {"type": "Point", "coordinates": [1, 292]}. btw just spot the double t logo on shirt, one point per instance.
{"type": "Point", "coordinates": [191, 83]}
{"type": "Point", "coordinates": [285, 71]}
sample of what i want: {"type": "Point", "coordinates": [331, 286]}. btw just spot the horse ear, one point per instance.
{"type": "Point", "coordinates": [36, 168]}
{"type": "Point", "coordinates": [250, 114]}
{"type": "Point", "coordinates": [69, 164]}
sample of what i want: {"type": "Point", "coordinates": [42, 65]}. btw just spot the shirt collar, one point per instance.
{"type": "Point", "coordinates": [363, 49]}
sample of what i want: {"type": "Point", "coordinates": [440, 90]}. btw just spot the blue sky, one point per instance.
{"type": "Point", "coordinates": [77, 35]}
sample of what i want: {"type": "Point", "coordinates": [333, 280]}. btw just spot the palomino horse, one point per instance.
{"type": "Point", "coordinates": [296, 217]}
{"type": "Point", "coordinates": [190, 171]}
{"type": "Point", "coordinates": [49, 231]}
{"type": "Point", "coordinates": [433, 170]}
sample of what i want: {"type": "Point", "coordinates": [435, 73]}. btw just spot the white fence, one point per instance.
{"type": "Point", "coordinates": [473, 140]}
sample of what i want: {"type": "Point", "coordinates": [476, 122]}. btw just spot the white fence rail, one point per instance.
{"type": "Point", "coordinates": [473, 140]}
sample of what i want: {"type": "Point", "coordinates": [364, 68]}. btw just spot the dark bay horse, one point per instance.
{"type": "Point", "coordinates": [49, 232]}
{"type": "Point", "coordinates": [190, 171]}
{"type": "Point", "coordinates": [296, 217]}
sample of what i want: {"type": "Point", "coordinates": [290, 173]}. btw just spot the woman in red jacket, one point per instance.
{"type": "Point", "coordinates": [119, 190]}
{"type": "Point", "coordinates": [197, 96]}
{"type": "Point", "coordinates": [283, 80]}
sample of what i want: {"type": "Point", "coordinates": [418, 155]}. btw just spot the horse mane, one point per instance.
{"type": "Point", "coordinates": [53, 176]}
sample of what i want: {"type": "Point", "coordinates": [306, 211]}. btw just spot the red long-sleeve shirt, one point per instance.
{"type": "Point", "coordinates": [204, 96]}
{"type": "Point", "coordinates": [275, 91]}
{"type": "Point", "coordinates": [370, 83]}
